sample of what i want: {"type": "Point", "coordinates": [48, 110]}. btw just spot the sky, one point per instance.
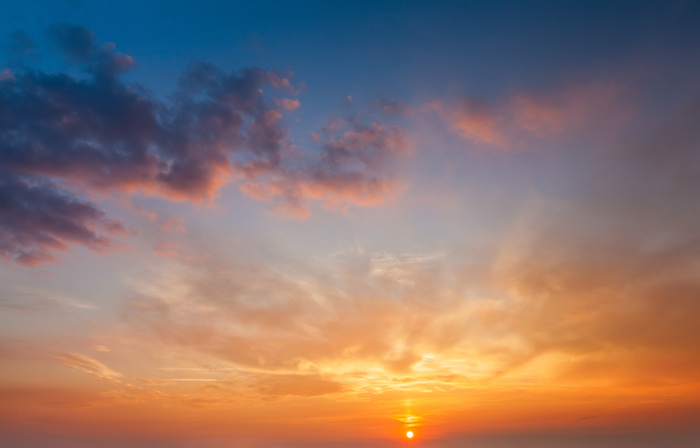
{"type": "Point", "coordinates": [327, 224]}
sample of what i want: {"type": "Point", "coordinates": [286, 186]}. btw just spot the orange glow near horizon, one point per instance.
{"type": "Point", "coordinates": [370, 224]}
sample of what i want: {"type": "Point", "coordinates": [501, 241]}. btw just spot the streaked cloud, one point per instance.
{"type": "Point", "coordinates": [87, 365]}
{"type": "Point", "coordinates": [401, 268]}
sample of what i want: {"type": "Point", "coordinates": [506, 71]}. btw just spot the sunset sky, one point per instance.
{"type": "Point", "coordinates": [325, 224]}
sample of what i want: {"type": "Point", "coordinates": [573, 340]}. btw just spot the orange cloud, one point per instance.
{"type": "Point", "coordinates": [472, 120]}
{"type": "Point", "coordinates": [508, 123]}
{"type": "Point", "coordinates": [87, 365]}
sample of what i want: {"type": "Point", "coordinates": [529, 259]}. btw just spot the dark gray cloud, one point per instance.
{"type": "Point", "coordinates": [102, 134]}
{"type": "Point", "coordinates": [39, 218]}
{"type": "Point", "coordinates": [76, 42]}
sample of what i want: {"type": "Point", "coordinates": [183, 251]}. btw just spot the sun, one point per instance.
{"type": "Point", "coordinates": [409, 434]}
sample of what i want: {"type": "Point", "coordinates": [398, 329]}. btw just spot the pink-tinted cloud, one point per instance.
{"type": "Point", "coordinates": [556, 113]}
{"type": "Point", "coordinates": [472, 120]}
{"type": "Point", "coordinates": [6, 75]}
{"type": "Point", "coordinates": [283, 82]}
{"type": "Point", "coordinates": [510, 123]}
{"type": "Point", "coordinates": [173, 224]}
{"type": "Point", "coordinates": [166, 249]}
{"type": "Point", "coordinates": [288, 104]}
{"type": "Point", "coordinates": [394, 108]}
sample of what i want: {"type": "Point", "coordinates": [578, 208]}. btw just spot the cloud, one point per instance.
{"type": "Point", "coordinates": [76, 42]}
{"type": "Point", "coordinates": [594, 288]}
{"type": "Point", "coordinates": [471, 119]}
{"type": "Point", "coordinates": [554, 113]}
{"type": "Point", "coordinates": [98, 135]}
{"type": "Point", "coordinates": [289, 104]}
{"type": "Point", "coordinates": [6, 75]}
{"type": "Point", "coordinates": [516, 121]}
{"type": "Point", "coordinates": [607, 277]}
{"type": "Point", "coordinates": [350, 167]}
{"type": "Point", "coordinates": [88, 365]}
{"type": "Point", "coordinates": [300, 385]}
{"type": "Point", "coordinates": [38, 218]}
{"type": "Point", "coordinates": [165, 249]}
{"type": "Point", "coordinates": [339, 318]}
{"type": "Point", "coordinates": [394, 108]}
{"type": "Point", "coordinates": [173, 224]}
{"type": "Point", "coordinates": [21, 45]}
{"type": "Point", "coordinates": [403, 268]}
{"type": "Point", "coordinates": [271, 335]}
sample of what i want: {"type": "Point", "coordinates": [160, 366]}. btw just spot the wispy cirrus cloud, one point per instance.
{"type": "Point", "coordinates": [88, 365]}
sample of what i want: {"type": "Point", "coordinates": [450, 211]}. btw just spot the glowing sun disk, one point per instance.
{"type": "Point", "coordinates": [409, 434]}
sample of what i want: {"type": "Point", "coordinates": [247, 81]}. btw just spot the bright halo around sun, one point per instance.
{"type": "Point", "coordinates": [409, 434]}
